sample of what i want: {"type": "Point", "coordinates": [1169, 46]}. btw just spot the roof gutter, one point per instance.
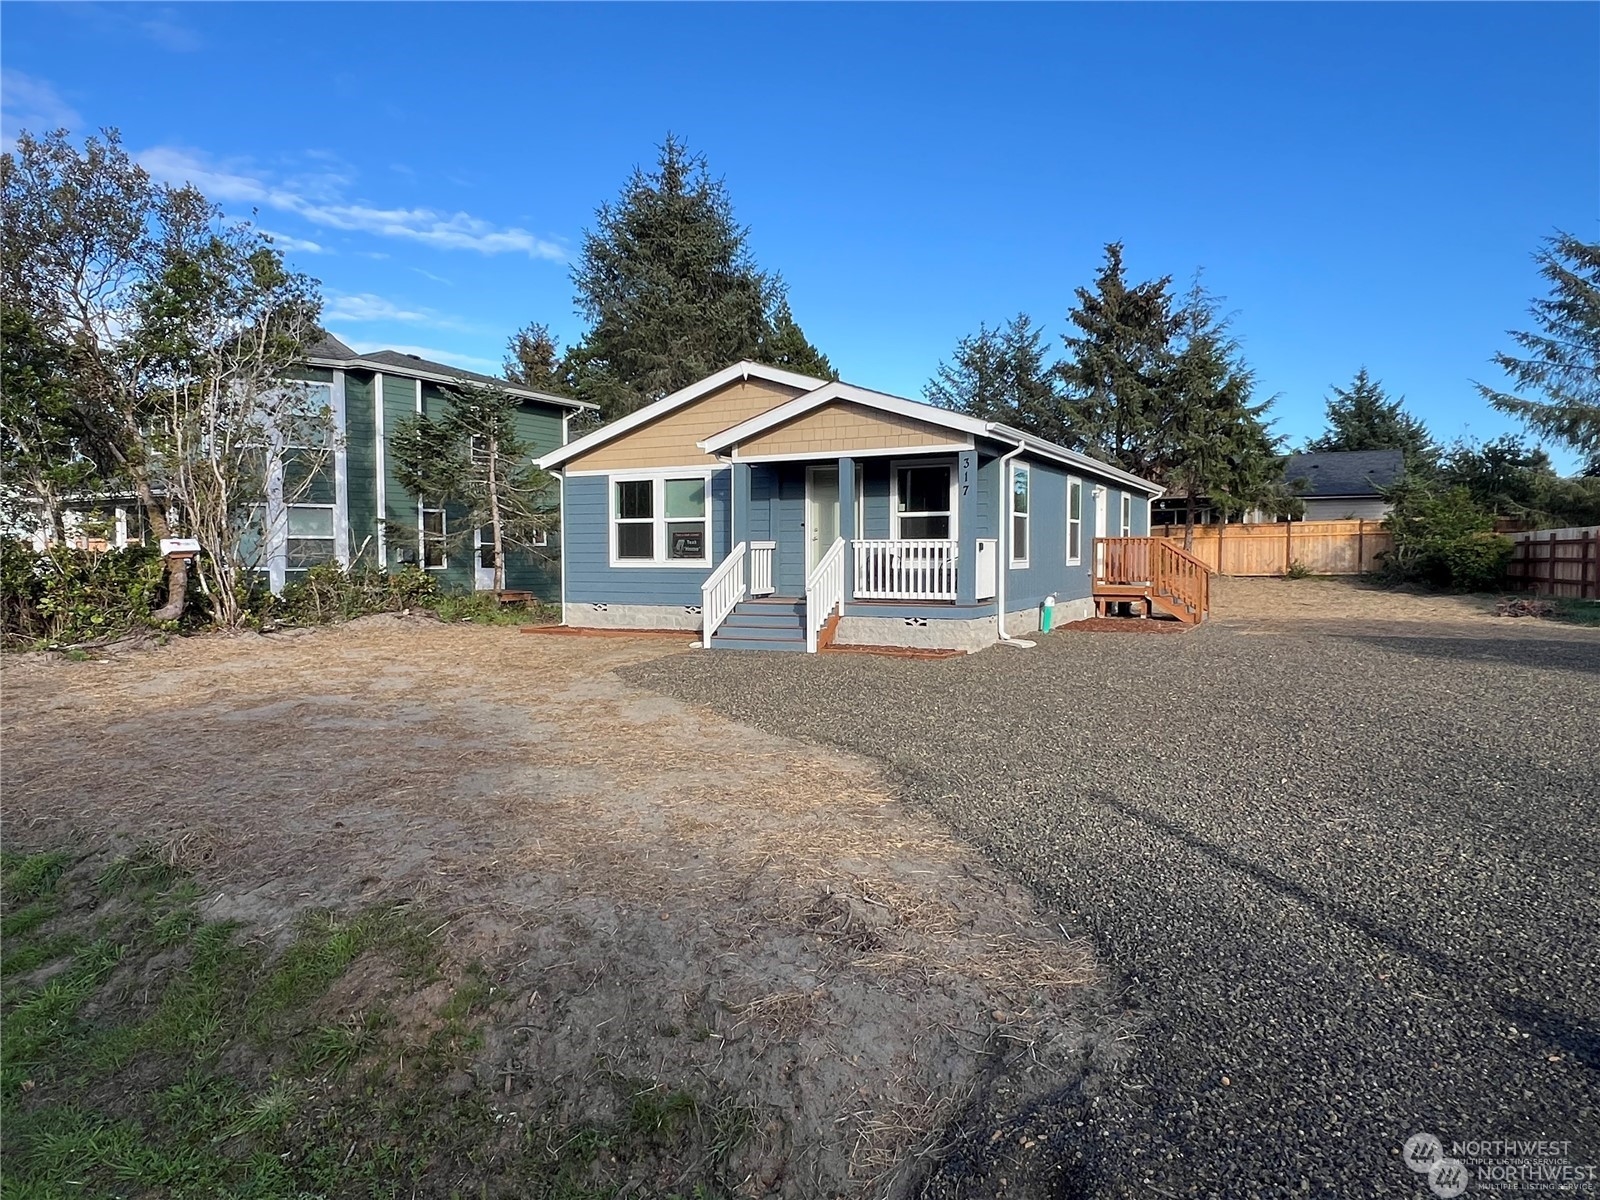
{"type": "Point", "coordinates": [341, 364]}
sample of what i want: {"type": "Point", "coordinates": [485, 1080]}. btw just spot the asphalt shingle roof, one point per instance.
{"type": "Point", "coordinates": [1345, 472]}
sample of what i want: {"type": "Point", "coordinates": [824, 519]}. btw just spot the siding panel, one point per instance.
{"type": "Point", "coordinates": [669, 441]}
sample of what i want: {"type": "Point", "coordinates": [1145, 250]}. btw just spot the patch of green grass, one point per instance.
{"type": "Point", "coordinates": [1575, 612]}
{"type": "Point", "coordinates": [31, 876]}
{"type": "Point", "coordinates": [483, 608]}
{"type": "Point", "coordinates": [170, 1056]}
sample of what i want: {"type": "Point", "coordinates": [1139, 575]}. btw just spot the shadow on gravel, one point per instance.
{"type": "Point", "coordinates": [1578, 654]}
{"type": "Point", "coordinates": [1580, 1041]}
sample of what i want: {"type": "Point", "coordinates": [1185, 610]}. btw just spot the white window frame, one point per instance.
{"type": "Point", "coordinates": [424, 537]}
{"type": "Point", "coordinates": [895, 467]}
{"type": "Point", "coordinates": [1012, 514]}
{"type": "Point", "coordinates": [1074, 524]}
{"type": "Point", "coordinates": [332, 539]}
{"type": "Point", "coordinates": [1125, 514]}
{"type": "Point", "coordinates": [658, 518]}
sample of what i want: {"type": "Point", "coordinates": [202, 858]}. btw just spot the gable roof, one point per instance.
{"type": "Point", "coordinates": [679, 398]}
{"type": "Point", "coordinates": [1344, 473]}
{"type": "Point", "coordinates": [974, 427]}
{"type": "Point", "coordinates": [329, 351]}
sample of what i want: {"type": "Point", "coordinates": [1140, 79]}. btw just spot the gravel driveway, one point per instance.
{"type": "Point", "coordinates": [1352, 881]}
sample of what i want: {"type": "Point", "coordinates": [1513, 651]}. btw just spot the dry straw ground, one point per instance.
{"type": "Point", "coordinates": [670, 896]}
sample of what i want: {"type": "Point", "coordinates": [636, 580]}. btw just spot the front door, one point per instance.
{"type": "Point", "coordinates": [483, 560]}
{"type": "Point", "coordinates": [822, 512]}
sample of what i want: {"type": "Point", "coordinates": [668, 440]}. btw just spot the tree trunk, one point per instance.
{"type": "Point", "coordinates": [177, 567]}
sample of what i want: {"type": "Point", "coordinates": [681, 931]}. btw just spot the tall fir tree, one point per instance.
{"type": "Point", "coordinates": [531, 360]}
{"type": "Point", "coordinates": [1220, 447]}
{"type": "Point", "coordinates": [1001, 375]}
{"type": "Point", "coordinates": [1562, 360]}
{"type": "Point", "coordinates": [1111, 376]}
{"type": "Point", "coordinates": [784, 344]}
{"type": "Point", "coordinates": [1362, 417]}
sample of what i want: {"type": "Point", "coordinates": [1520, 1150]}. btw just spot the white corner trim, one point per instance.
{"type": "Point", "coordinates": [341, 476]}
{"type": "Point", "coordinates": [382, 457]}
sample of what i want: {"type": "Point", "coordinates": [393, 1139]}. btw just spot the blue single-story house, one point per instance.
{"type": "Point", "coordinates": [770, 510]}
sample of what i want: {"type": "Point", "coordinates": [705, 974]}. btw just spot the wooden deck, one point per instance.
{"type": "Point", "coordinates": [1153, 574]}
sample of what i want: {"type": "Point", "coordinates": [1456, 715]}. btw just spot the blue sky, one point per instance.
{"type": "Point", "coordinates": [1364, 183]}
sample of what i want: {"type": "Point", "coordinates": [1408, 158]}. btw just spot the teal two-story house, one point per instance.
{"type": "Point", "coordinates": [354, 510]}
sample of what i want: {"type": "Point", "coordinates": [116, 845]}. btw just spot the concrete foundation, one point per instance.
{"type": "Point", "coordinates": [633, 616]}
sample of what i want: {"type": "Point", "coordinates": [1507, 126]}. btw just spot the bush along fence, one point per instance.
{"type": "Point", "coordinates": [1314, 547]}
{"type": "Point", "coordinates": [65, 596]}
{"type": "Point", "coordinates": [1557, 562]}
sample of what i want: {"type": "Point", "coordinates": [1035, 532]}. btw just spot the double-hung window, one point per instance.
{"type": "Point", "coordinates": [1021, 479]}
{"type": "Point", "coordinates": [922, 501]}
{"type": "Point", "coordinates": [660, 520]}
{"type": "Point", "coordinates": [1074, 521]}
{"type": "Point", "coordinates": [1127, 515]}
{"type": "Point", "coordinates": [433, 532]}
{"type": "Point", "coordinates": [310, 536]}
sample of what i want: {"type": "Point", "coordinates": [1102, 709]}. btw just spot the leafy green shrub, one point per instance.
{"type": "Point", "coordinates": [62, 595]}
{"type": "Point", "coordinates": [1444, 539]}
{"type": "Point", "coordinates": [1297, 570]}
{"type": "Point", "coordinates": [330, 592]}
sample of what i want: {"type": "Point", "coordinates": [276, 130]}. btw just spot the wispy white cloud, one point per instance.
{"type": "Point", "coordinates": [165, 30]}
{"type": "Point", "coordinates": [432, 276]}
{"type": "Point", "coordinates": [285, 241]}
{"type": "Point", "coordinates": [366, 308]}
{"type": "Point", "coordinates": [30, 103]}
{"type": "Point", "coordinates": [321, 200]}
{"type": "Point", "coordinates": [468, 361]}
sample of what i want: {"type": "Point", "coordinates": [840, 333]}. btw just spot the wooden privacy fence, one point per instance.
{"type": "Point", "coordinates": [1557, 562]}
{"type": "Point", "coordinates": [1323, 547]}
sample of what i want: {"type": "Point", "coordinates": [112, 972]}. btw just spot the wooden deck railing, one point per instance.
{"type": "Point", "coordinates": [1165, 572]}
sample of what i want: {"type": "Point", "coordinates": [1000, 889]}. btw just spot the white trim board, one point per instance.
{"type": "Point", "coordinates": [927, 413]}
{"type": "Point", "coordinates": [828, 456]}
{"type": "Point", "coordinates": [667, 404]}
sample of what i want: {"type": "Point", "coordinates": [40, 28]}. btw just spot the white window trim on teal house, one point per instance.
{"type": "Point", "coordinates": [1074, 524]}
{"type": "Point", "coordinates": [424, 537]}
{"type": "Point", "coordinates": [1022, 469]}
{"type": "Point", "coordinates": [896, 465]}
{"type": "Point", "coordinates": [332, 537]}
{"type": "Point", "coordinates": [1126, 514]}
{"type": "Point", "coordinates": [658, 518]}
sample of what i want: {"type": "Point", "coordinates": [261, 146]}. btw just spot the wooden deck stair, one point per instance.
{"type": "Point", "coordinates": [1154, 573]}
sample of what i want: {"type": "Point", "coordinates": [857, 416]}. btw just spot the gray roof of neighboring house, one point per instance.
{"type": "Point", "coordinates": [331, 351]}
{"type": "Point", "coordinates": [1344, 472]}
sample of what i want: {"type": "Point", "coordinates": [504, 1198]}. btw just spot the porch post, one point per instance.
{"type": "Point", "coordinates": [847, 523]}
{"type": "Point", "coordinates": [967, 522]}
{"type": "Point", "coordinates": [739, 497]}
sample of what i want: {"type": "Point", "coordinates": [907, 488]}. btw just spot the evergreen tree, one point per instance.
{"type": "Point", "coordinates": [1362, 417]}
{"type": "Point", "coordinates": [784, 344]}
{"type": "Point", "coordinates": [531, 360]}
{"type": "Point", "coordinates": [1219, 447]}
{"type": "Point", "coordinates": [669, 287]}
{"type": "Point", "coordinates": [1001, 375]}
{"type": "Point", "coordinates": [1562, 361]}
{"type": "Point", "coordinates": [472, 456]}
{"type": "Point", "coordinates": [1115, 365]}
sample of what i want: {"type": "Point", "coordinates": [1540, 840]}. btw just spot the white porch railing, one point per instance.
{"type": "Point", "coordinates": [723, 589]}
{"type": "Point", "coordinates": [824, 592]}
{"type": "Point", "coordinates": [916, 569]}
{"type": "Point", "coordinates": [761, 568]}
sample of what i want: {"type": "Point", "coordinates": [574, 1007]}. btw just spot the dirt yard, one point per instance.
{"type": "Point", "coordinates": [668, 895]}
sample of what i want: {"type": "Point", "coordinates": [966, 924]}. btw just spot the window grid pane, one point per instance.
{"type": "Point", "coordinates": [686, 540]}
{"type": "Point", "coordinates": [635, 499]}
{"type": "Point", "coordinates": [636, 539]}
{"type": "Point", "coordinates": [686, 498]}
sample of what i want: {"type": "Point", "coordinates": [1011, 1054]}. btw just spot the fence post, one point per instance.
{"type": "Point", "coordinates": [1222, 528]}
{"type": "Point", "coordinates": [1288, 546]}
{"type": "Point", "coordinates": [1361, 546]}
